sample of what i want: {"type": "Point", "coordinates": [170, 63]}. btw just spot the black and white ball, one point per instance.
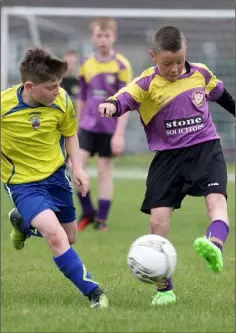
{"type": "Point", "coordinates": [152, 258]}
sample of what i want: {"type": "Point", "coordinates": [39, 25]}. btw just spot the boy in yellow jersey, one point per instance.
{"type": "Point", "coordinates": [172, 99]}
{"type": "Point", "coordinates": [101, 75]}
{"type": "Point", "coordinates": [38, 130]}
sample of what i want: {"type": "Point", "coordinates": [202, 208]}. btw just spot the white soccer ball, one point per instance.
{"type": "Point", "coordinates": [152, 258]}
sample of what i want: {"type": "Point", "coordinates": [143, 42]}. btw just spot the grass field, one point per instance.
{"type": "Point", "coordinates": [37, 298]}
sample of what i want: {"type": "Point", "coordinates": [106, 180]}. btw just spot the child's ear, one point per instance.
{"type": "Point", "coordinates": [28, 85]}
{"type": "Point", "coordinates": [152, 55]}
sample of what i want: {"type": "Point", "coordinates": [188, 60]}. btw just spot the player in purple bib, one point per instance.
{"type": "Point", "coordinates": [102, 74]}
{"type": "Point", "coordinates": [172, 99]}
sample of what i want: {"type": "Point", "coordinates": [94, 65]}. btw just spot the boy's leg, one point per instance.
{"type": "Point", "coordinates": [163, 193]}
{"type": "Point", "coordinates": [28, 200]}
{"type": "Point", "coordinates": [87, 148]}
{"type": "Point", "coordinates": [66, 259]}
{"type": "Point", "coordinates": [105, 192]}
{"type": "Point", "coordinates": [159, 225]}
{"type": "Point", "coordinates": [70, 230]}
{"type": "Point", "coordinates": [213, 187]}
{"type": "Point", "coordinates": [210, 246]}
{"type": "Point", "coordinates": [105, 181]}
{"type": "Point", "coordinates": [18, 237]}
{"type": "Point", "coordinates": [37, 203]}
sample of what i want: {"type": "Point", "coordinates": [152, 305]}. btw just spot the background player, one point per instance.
{"type": "Point", "coordinates": [38, 129]}
{"type": "Point", "coordinates": [70, 81]}
{"type": "Point", "coordinates": [172, 99]}
{"type": "Point", "coordinates": [101, 75]}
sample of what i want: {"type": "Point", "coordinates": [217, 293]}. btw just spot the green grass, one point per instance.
{"type": "Point", "coordinates": [140, 161]}
{"type": "Point", "coordinates": [37, 298]}
{"type": "Point", "coordinates": [129, 161]}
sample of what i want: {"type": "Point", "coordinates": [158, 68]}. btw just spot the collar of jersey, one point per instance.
{"type": "Point", "coordinates": [189, 71]}
{"type": "Point", "coordinates": [113, 56]}
{"type": "Point", "coordinates": [21, 102]}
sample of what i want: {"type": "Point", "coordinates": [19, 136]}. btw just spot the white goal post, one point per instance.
{"type": "Point", "coordinates": [29, 13]}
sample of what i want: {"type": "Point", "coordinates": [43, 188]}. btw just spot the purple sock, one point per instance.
{"type": "Point", "coordinates": [165, 285]}
{"type": "Point", "coordinates": [86, 203]}
{"type": "Point", "coordinates": [103, 209]}
{"type": "Point", "coordinates": [217, 233]}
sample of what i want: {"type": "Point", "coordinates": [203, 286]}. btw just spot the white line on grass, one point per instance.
{"type": "Point", "coordinates": [136, 174]}
{"type": "Point", "coordinates": [230, 258]}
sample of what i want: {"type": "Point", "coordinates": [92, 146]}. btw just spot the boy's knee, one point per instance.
{"type": "Point", "coordinates": [55, 236]}
{"type": "Point", "coordinates": [217, 207]}
{"type": "Point", "coordinates": [105, 165]}
{"type": "Point", "coordinates": [159, 220]}
{"type": "Point", "coordinates": [215, 201]}
{"type": "Point", "coordinates": [159, 217]}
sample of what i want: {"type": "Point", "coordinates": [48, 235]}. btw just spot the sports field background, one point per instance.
{"type": "Point", "coordinates": [37, 298]}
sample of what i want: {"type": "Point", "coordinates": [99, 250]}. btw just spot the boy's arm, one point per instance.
{"type": "Point", "coordinates": [73, 151]}
{"type": "Point", "coordinates": [79, 107]}
{"type": "Point", "coordinates": [80, 178]}
{"type": "Point", "coordinates": [118, 138]}
{"type": "Point", "coordinates": [121, 125]}
{"type": "Point", "coordinates": [125, 76]}
{"type": "Point", "coordinates": [227, 102]}
{"type": "Point", "coordinates": [128, 98]}
{"type": "Point", "coordinates": [216, 91]}
{"type": "Point", "coordinates": [68, 128]}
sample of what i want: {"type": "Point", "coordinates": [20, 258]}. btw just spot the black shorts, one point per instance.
{"type": "Point", "coordinates": [197, 171]}
{"type": "Point", "coordinates": [95, 143]}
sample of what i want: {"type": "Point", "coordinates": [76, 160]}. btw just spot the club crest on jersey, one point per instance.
{"type": "Point", "coordinates": [35, 120]}
{"type": "Point", "coordinates": [110, 78]}
{"type": "Point", "coordinates": [198, 98]}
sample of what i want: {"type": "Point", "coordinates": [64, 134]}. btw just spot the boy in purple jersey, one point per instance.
{"type": "Point", "coordinates": [101, 75]}
{"type": "Point", "coordinates": [172, 100]}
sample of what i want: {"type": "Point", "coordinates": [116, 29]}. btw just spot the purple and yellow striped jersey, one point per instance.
{"type": "Point", "coordinates": [98, 81]}
{"type": "Point", "coordinates": [173, 114]}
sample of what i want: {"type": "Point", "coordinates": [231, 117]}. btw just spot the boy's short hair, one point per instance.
{"type": "Point", "coordinates": [168, 38]}
{"type": "Point", "coordinates": [39, 65]}
{"type": "Point", "coordinates": [104, 24]}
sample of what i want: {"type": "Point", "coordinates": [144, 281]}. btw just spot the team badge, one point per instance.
{"type": "Point", "coordinates": [35, 120]}
{"type": "Point", "coordinates": [110, 79]}
{"type": "Point", "coordinates": [198, 98]}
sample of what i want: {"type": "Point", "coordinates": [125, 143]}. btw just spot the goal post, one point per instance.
{"type": "Point", "coordinates": [29, 13]}
{"type": "Point", "coordinates": [210, 35]}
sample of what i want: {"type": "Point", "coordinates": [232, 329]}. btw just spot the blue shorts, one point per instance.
{"type": "Point", "coordinates": [54, 192]}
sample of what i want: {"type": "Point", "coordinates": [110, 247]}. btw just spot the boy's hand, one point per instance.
{"type": "Point", "coordinates": [81, 180]}
{"type": "Point", "coordinates": [107, 110]}
{"type": "Point", "coordinates": [117, 144]}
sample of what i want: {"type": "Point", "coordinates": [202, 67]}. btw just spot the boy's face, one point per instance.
{"type": "Point", "coordinates": [44, 93]}
{"type": "Point", "coordinates": [103, 40]}
{"type": "Point", "coordinates": [72, 61]}
{"type": "Point", "coordinates": [171, 65]}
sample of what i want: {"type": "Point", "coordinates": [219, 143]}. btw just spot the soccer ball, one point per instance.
{"type": "Point", "coordinates": [152, 258]}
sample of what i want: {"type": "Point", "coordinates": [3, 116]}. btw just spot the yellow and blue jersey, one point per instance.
{"type": "Point", "coordinates": [32, 138]}
{"type": "Point", "coordinates": [98, 81]}
{"type": "Point", "coordinates": [174, 114]}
